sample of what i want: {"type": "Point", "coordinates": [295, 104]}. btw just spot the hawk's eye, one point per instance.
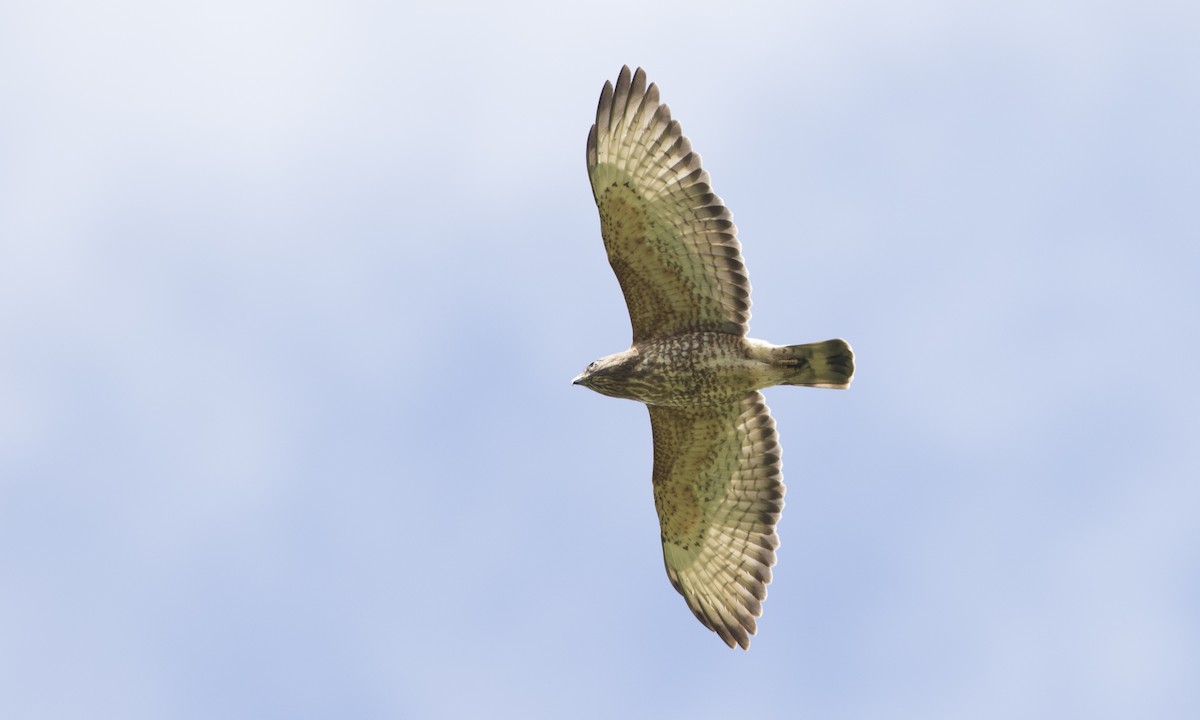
{"type": "Point", "coordinates": [591, 366]}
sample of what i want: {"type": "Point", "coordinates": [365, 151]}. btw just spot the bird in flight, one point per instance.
{"type": "Point", "coordinates": [718, 484]}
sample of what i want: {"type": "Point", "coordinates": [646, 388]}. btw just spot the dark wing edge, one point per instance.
{"type": "Point", "coordinates": [669, 237]}
{"type": "Point", "coordinates": [718, 488]}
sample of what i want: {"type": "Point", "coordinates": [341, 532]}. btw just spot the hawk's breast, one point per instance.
{"type": "Point", "coordinates": [702, 368]}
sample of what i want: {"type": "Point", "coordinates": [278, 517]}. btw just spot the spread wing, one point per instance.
{"type": "Point", "coordinates": [670, 240]}
{"type": "Point", "coordinates": [718, 487]}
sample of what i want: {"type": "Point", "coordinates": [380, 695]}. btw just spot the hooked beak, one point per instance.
{"type": "Point", "coordinates": [578, 379]}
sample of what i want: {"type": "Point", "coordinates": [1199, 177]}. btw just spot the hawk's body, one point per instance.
{"type": "Point", "coordinates": [718, 486]}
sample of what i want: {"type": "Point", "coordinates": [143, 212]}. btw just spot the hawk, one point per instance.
{"type": "Point", "coordinates": [718, 485]}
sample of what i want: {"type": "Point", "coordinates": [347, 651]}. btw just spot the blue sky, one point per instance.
{"type": "Point", "coordinates": [291, 295]}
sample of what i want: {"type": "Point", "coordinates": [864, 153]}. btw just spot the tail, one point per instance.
{"type": "Point", "coordinates": [828, 364]}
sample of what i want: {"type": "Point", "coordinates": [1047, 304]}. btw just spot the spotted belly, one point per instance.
{"type": "Point", "coordinates": [693, 369]}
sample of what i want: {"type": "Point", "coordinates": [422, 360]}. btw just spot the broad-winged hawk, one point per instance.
{"type": "Point", "coordinates": [718, 486]}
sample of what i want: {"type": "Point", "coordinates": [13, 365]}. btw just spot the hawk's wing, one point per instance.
{"type": "Point", "coordinates": [718, 487]}
{"type": "Point", "coordinates": [670, 240]}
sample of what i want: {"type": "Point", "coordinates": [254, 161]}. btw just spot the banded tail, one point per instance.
{"type": "Point", "coordinates": [828, 364]}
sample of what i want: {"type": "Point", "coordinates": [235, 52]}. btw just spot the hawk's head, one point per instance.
{"type": "Point", "coordinates": [610, 375]}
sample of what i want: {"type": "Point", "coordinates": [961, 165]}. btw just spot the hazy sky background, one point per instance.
{"type": "Point", "coordinates": [291, 294]}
